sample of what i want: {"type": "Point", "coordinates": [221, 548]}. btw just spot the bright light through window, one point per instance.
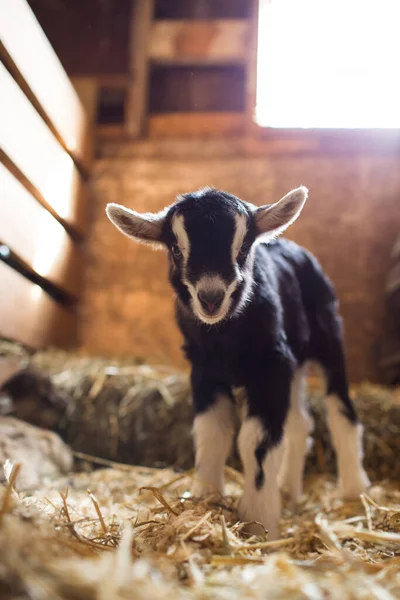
{"type": "Point", "coordinates": [328, 63]}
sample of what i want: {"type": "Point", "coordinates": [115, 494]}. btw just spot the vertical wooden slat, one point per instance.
{"type": "Point", "coordinates": [29, 144]}
{"type": "Point", "coordinates": [34, 235]}
{"type": "Point", "coordinates": [140, 39]}
{"type": "Point", "coordinates": [29, 315]}
{"type": "Point", "coordinates": [251, 68]}
{"type": "Point", "coordinates": [34, 64]}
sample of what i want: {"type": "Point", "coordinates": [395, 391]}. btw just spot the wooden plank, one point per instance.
{"type": "Point", "coordinates": [87, 90]}
{"type": "Point", "coordinates": [30, 145]}
{"type": "Point", "coordinates": [36, 237]}
{"type": "Point", "coordinates": [188, 124]}
{"type": "Point", "coordinates": [201, 9]}
{"type": "Point", "coordinates": [112, 131]}
{"type": "Point", "coordinates": [251, 70]}
{"type": "Point", "coordinates": [201, 89]}
{"type": "Point", "coordinates": [31, 54]}
{"type": "Point", "coordinates": [28, 315]}
{"type": "Point", "coordinates": [199, 42]}
{"type": "Point", "coordinates": [135, 111]}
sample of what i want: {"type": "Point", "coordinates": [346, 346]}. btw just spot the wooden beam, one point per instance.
{"type": "Point", "coordinates": [251, 68]}
{"type": "Point", "coordinates": [216, 42]}
{"type": "Point", "coordinates": [29, 144]}
{"type": "Point", "coordinates": [28, 315]}
{"type": "Point", "coordinates": [34, 64]}
{"type": "Point", "coordinates": [32, 233]}
{"type": "Point", "coordinates": [201, 124]}
{"type": "Point", "coordinates": [135, 110]}
{"type": "Point", "coordinates": [87, 90]}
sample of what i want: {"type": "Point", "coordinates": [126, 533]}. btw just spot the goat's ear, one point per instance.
{"type": "Point", "coordinates": [273, 219]}
{"type": "Point", "coordinates": [143, 227]}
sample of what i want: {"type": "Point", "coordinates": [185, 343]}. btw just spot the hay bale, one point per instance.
{"type": "Point", "coordinates": [138, 414]}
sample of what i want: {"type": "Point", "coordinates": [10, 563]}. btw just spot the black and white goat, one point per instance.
{"type": "Point", "coordinates": [253, 311]}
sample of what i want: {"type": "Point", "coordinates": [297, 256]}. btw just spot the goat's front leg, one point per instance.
{"type": "Point", "coordinates": [213, 431]}
{"type": "Point", "coordinates": [259, 443]}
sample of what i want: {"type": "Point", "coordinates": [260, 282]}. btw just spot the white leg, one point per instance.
{"type": "Point", "coordinates": [347, 440]}
{"type": "Point", "coordinates": [259, 503]}
{"type": "Point", "coordinates": [213, 434]}
{"type": "Point", "coordinates": [298, 426]}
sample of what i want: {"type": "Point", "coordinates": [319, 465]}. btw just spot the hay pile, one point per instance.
{"type": "Point", "coordinates": [138, 414]}
{"type": "Point", "coordinates": [134, 533]}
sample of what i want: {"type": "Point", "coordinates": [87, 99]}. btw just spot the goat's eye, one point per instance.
{"type": "Point", "coordinates": [244, 249]}
{"type": "Point", "coordinates": [176, 251]}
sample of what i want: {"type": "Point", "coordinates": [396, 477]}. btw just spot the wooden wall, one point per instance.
{"type": "Point", "coordinates": [146, 60]}
{"type": "Point", "coordinates": [44, 163]}
{"type": "Point", "coordinates": [90, 37]}
{"type": "Point", "coordinates": [188, 72]}
{"type": "Point", "coordinates": [350, 223]}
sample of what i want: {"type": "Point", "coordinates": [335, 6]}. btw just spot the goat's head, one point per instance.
{"type": "Point", "coordinates": [211, 238]}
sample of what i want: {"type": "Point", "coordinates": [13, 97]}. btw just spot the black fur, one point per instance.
{"type": "Point", "coordinates": [290, 318]}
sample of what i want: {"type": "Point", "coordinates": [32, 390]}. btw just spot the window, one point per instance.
{"type": "Point", "coordinates": [328, 64]}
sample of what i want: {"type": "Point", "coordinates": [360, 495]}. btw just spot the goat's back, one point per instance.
{"type": "Point", "coordinates": [305, 295]}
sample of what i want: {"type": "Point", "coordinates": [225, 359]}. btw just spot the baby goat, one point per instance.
{"type": "Point", "coordinates": [253, 312]}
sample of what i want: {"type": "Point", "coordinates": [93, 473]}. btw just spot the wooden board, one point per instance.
{"type": "Point", "coordinates": [30, 316]}
{"type": "Point", "coordinates": [87, 90]}
{"type": "Point", "coordinates": [90, 37]}
{"type": "Point", "coordinates": [201, 89]}
{"type": "Point", "coordinates": [201, 9]}
{"type": "Point", "coordinates": [140, 26]}
{"type": "Point", "coordinates": [251, 70]}
{"type": "Point", "coordinates": [213, 124]}
{"type": "Point", "coordinates": [29, 49]}
{"type": "Point", "coordinates": [30, 145]}
{"type": "Point", "coordinates": [199, 42]}
{"type": "Point", "coordinates": [36, 237]}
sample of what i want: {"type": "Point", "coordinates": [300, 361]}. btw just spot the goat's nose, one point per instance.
{"type": "Point", "coordinates": [211, 300]}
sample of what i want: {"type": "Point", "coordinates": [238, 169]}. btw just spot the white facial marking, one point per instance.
{"type": "Point", "coordinates": [178, 227]}
{"type": "Point", "coordinates": [262, 505]}
{"type": "Point", "coordinates": [347, 440]}
{"type": "Point", "coordinates": [213, 434]}
{"type": "Point", "coordinates": [211, 283]}
{"type": "Point", "coordinates": [240, 232]}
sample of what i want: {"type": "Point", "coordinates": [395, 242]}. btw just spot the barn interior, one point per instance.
{"type": "Point", "coordinates": [135, 102]}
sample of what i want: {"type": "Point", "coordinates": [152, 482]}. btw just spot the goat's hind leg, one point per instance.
{"type": "Point", "coordinates": [298, 426]}
{"type": "Point", "coordinates": [345, 429]}
{"type": "Point", "coordinates": [346, 433]}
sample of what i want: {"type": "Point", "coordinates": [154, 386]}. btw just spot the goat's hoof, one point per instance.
{"type": "Point", "coordinates": [253, 526]}
{"type": "Point", "coordinates": [202, 490]}
{"type": "Point", "coordinates": [351, 490]}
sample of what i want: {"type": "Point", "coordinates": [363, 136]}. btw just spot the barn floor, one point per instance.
{"type": "Point", "coordinates": [135, 533]}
